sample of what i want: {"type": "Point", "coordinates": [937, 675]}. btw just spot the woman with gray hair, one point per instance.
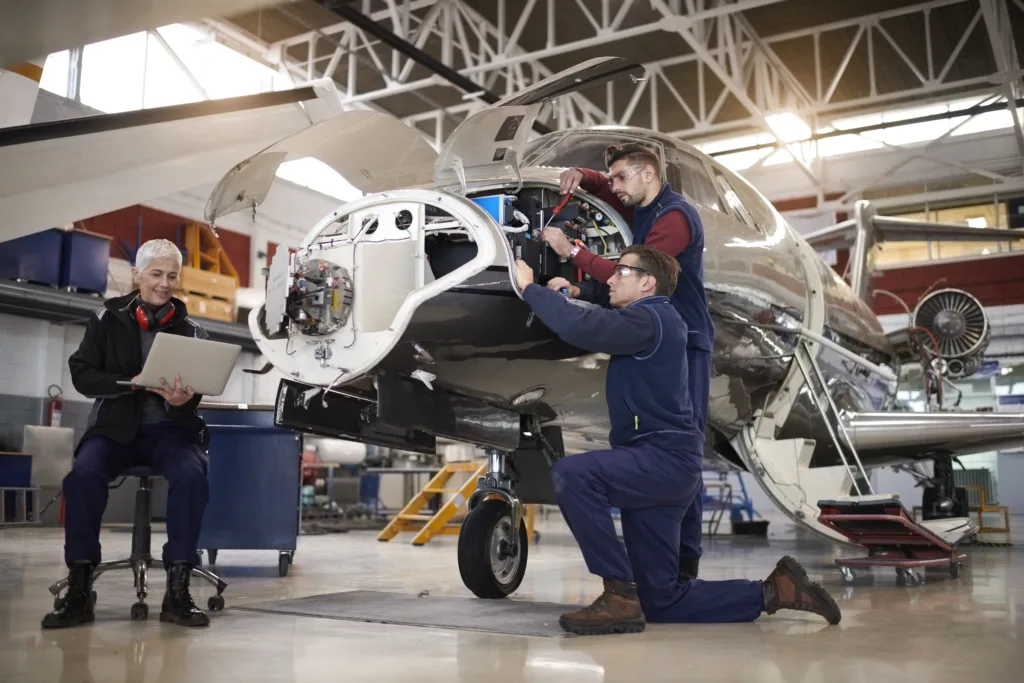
{"type": "Point", "coordinates": [128, 427]}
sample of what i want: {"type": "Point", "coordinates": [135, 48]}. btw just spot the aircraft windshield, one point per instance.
{"type": "Point", "coordinates": [581, 150]}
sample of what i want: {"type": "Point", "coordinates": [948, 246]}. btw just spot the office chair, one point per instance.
{"type": "Point", "coordinates": [141, 558]}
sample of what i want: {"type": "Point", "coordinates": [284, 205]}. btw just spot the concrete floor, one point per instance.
{"type": "Point", "coordinates": [968, 629]}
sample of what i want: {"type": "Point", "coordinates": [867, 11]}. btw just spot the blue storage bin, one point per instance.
{"type": "Point", "coordinates": [15, 470]}
{"type": "Point", "coordinates": [36, 257]}
{"type": "Point", "coordinates": [85, 261]}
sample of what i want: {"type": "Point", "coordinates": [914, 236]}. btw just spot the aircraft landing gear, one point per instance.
{"type": "Point", "coordinates": [493, 546]}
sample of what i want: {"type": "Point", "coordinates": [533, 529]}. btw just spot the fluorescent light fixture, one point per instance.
{"type": "Point", "coordinates": [788, 126]}
{"type": "Point", "coordinates": [978, 222]}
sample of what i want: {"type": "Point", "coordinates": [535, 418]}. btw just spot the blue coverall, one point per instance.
{"type": "Point", "coordinates": [690, 300]}
{"type": "Point", "coordinates": [652, 471]}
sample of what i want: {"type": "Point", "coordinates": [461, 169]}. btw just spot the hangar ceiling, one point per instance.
{"type": "Point", "coordinates": [716, 66]}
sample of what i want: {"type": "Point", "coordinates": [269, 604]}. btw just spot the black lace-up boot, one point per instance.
{"type": "Point", "coordinates": [178, 607]}
{"type": "Point", "coordinates": [76, 607]}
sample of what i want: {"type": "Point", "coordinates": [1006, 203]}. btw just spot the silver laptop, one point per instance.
{"type": "Point", "coordinates": [202, 364]}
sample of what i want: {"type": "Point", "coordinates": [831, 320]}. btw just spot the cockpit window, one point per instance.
{"type": "Point", "coordinates": [579, 150]}
{"type": "Point", "coordinates": [732, 200]}
{"type": "Point", "coordinates": [689, 177]}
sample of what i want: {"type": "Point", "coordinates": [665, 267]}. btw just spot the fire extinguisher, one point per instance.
{"type": "Point", "coordinates": [55, 406]}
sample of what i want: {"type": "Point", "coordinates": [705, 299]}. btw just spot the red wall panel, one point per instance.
{"type": "Point", "coordinates": [137, 224]}
{"type": "Point", "coordinates": [995, 281]}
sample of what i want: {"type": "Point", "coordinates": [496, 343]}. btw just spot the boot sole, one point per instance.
{"type": "Point", "coordinates": [604, 629]}
{"type": "Point", "coordinates": [793, 567]}
{"type": "Point", "coordinates": [171, 619]}
{"type": "Point", "coordinates": [87, 619]}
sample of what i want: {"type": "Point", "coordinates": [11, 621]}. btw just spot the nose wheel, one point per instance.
{"type": "Point", "coordinates": [491, 565]}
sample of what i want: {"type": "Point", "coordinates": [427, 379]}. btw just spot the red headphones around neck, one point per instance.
{"type": "Point", "coordinates": [149, 321]}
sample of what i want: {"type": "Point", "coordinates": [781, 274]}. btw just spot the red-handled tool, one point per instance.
{"type": "Point", "coordinates": [558, 209]}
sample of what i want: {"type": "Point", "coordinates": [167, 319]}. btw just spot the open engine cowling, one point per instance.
{"type": "Point", "coordinates": [960, 328]}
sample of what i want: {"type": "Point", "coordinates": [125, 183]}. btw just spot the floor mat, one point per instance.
{"type": "Point", "coordinates": [465, 614]}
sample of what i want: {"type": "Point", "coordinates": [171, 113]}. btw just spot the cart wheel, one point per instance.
{"type": "Point", "coordinates": [212, 554]}
{"type": "Point", "coordinates": [487, 567]}
{"type": "Point", "coordinates": [215, 603]}
{"type": "Point", "coordinates": [848, 574]}
{"type": "Point", "coordinates": [955, 568]}
{"type": "Point", "coordinates": [282, 564]}
{"type": "Point", "coordinates": [909, 577]}
{"type": "Point", "coordinates": [536, 537]}
{"type": "Point", "coordinates": [140, 611]}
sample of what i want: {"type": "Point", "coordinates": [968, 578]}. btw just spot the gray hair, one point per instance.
{"type": "Point", "coordinates": [156, 250]}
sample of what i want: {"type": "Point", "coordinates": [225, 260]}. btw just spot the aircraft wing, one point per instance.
{"type": "Point", "coordinates": [916, 435]}
{"type": "Point", "coordinates": [55, 173]}
{"type": "Point", "coordinates": [889, 229]}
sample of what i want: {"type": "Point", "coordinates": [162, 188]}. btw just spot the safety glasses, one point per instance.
{"type": "Point", "coordinates": [624, 175]}
{"type": "Point", "coordinates": [622, 270]}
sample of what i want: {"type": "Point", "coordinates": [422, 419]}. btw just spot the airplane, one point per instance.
{"type": "Point", "coordinates": [398, 321]}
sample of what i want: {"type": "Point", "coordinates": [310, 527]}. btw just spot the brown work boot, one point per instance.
{"type": "Point", "coordinates": [617, 610]}
{"type": "Point", "coordinates": [789, 588]}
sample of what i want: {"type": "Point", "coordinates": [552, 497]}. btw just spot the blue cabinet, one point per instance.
{"type": "Point", "coordinates": [254, 475]}
{"type": "Point", "coordinates": [76, 260]}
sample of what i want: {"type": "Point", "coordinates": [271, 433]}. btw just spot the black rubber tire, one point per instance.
{"type": "Point", "coordinates": [215, 603]}
{"type": "Point", "coordinates": [140, 611]}
{"type": "Point", "coordinates": [212, 554]}
{"type": "Point", "coordinates": [283, 563]}
{"type": "Point", "coordinates": [475, 551]}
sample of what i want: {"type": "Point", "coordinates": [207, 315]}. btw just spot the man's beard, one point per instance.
{"type": "Point", "coordinates": [629, 201]}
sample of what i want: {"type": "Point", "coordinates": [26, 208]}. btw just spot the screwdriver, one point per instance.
{"type": "Point", "coordinates": [557, 210]}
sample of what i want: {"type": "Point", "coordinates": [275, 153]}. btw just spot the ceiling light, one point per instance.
{"type": "Point", "coordinates": [788, 127]}
{"type": "Point", "coordinates": [978, 222]}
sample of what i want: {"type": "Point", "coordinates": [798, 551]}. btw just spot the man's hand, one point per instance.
{"type": "Point", "coordinates": [558, 241]}
{"type": "Point", "coordinates": [560, 283]}
{"type": "Point", "coordinates": [175, 396]}
{"type": "Point", "coordinates": [570, 180]}
{"type": "Point", "coordinates": [524, 274]}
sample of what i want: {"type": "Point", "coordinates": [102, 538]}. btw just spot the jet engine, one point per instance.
{"type": "Point", "coordinates": [957, 327]}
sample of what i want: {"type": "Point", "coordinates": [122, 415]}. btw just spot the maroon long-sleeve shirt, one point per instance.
{"type": "Point", "coordinates": [669, 234]}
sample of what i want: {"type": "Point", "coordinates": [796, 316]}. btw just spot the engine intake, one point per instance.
{"type": "Point", "coordinates": [959, 326]}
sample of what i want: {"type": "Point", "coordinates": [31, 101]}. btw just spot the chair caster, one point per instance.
{"type": "Point", "coordinates": [215, 603]}
{"type": "Point", "coordinates": [140, 611]}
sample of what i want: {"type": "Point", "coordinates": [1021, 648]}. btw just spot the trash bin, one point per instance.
{"type": "Point", "coordinates": [254, 474]}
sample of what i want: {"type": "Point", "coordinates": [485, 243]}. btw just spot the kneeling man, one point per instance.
{"type": "Point", "coordinates": [653, 470]}
{"type": "Point", "coordinates": [159, 428]}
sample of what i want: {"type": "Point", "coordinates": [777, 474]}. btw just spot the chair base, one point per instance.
{"type": "Point", "coordinates": [140, 566]}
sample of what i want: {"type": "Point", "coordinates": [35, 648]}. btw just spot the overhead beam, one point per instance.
{"type": "Point", "coordinates": [1000, 34]}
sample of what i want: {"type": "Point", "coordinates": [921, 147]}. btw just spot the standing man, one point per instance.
{"type": "Point", "coordinates": [662, 219]}
{"type": "Point", "coordinates": [653, 470]}
{"type": "Point", "coordinates": [130, 427]}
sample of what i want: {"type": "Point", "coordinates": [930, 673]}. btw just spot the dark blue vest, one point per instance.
{"type": "Point", "coordinates": [648, 399]}
{"type": "Point", "coordinates": [689, 298]}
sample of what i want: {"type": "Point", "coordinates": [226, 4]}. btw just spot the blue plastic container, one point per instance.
{"type": "Point", "coordinates": [35, 258]}
{"type": "Point", "coordinates": [15, 470]}
{"type": "Point", "coordinates": [85, 261]}
{"type": "Point", "coordinates": [255, 475]}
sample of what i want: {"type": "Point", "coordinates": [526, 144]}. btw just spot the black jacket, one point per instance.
{"type": "Point", "coordinates": [111, 351]}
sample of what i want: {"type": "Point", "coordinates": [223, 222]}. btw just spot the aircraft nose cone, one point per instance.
{"type": "Point", "coordinates": [950, 323]}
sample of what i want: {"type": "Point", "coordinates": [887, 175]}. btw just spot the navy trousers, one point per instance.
{"type": "Point", "coordinates": [699, 372]}
{"type": "Point", "coordinates": [652, 488]}
{"type": "Point", "coordinates": [166, 448]}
